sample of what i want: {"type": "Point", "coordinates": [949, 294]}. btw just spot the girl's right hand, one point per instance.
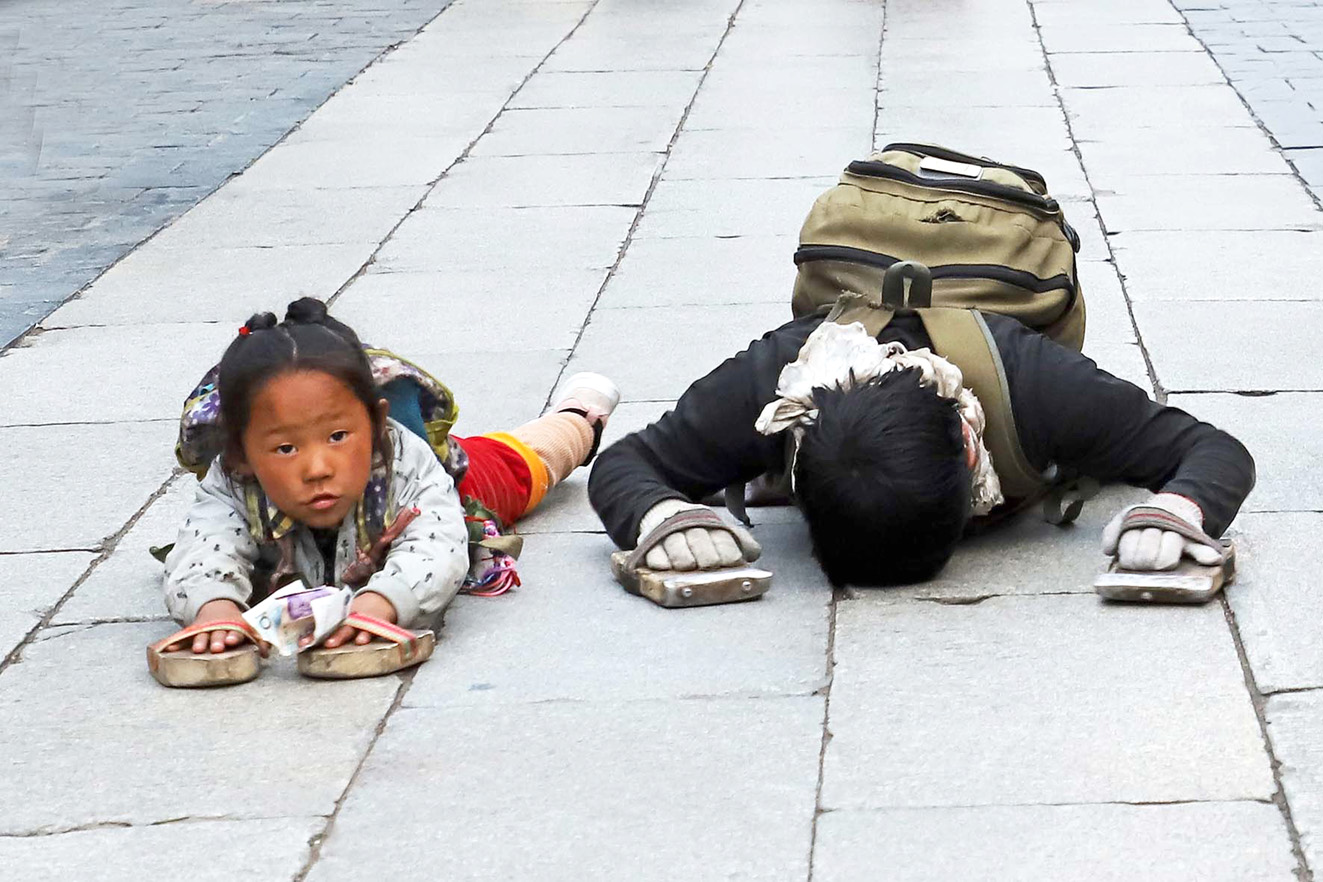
{"type": "Point", "coordinates": [215, 641]}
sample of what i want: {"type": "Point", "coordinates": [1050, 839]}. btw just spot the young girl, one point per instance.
{"type": "Point", "coordinates": [322, 461]}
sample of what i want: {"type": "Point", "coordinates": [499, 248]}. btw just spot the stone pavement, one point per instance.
{"type": "Point", "coordinates": [530, 187]}
{"type": "Point", "coordinates": [116, 117]}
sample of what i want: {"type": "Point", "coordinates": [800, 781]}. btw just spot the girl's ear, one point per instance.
{"type": "Point", "coordinates": [234, 463]}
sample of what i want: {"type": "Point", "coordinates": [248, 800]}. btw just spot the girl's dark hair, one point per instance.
{"type": "Point", "coordinates": [307, 340]}
{"type": "Point", "coordinates": [882, 481]}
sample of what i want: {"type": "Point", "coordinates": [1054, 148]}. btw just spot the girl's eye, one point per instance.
{"type": "Point", "coordinates": [285, 449]}
{"type": "Point", "coordinates": [339, 436]}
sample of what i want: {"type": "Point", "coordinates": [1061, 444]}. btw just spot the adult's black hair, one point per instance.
{"type": "Point", "coordinates": [882, 481]}
{"type": "Point", "coordinates": [307, 340]}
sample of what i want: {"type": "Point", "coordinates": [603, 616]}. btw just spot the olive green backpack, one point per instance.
{"type": "Point", "coordinates": [990, 235]}
{"type": "Point", "coordinates": [948, 236]}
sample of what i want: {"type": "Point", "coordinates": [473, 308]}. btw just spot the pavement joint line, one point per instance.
{"type": "Point", "coordinates": [979, 805]}
{"type": "Point", "coordinates": [647, 197]}
{"type": "Point", "coordinates": [1303, 873]}
{"type": "Point", "coordinates": [839, 594]}
{"type": "Point", "coordinates": [1291, 690]}
{"type": "Point", "coordinates": [37, 329]}
{"type": "Point", "coordinates": [107, 548]}
{"type": "Point", "coordinates": [86, 423]}
{"type": "Point", "coordinates": [1159, 395]}
{"type": "Point", "coordinates": [825, 691]}
{"type": "Point", "coordinates": [1249, 108]}
{"type": "Point", "coordinates": [319, 839]}
{"type": "Point", "coordinates": [129, 825]}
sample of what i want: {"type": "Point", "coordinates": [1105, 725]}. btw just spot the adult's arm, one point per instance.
{"type": "Point", "coordinates": [1070, 412]}
{"type": "Point", "coordinates": [705, 444]}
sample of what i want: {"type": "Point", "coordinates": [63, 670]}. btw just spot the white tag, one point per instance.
{"type": "Point", "coordinates": [947, 167]}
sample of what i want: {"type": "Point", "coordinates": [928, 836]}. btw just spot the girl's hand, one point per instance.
{"type": "Point", "coordinates": [216, 641]}
{"type": "Point", "coordinates": [369, 603]}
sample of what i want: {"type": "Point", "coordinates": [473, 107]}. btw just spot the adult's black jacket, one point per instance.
{"type": "Point", "coordinates": [1067, 411]}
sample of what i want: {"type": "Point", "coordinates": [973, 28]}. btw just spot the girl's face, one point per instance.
{"type": "Point", "coordinates": [309, 444]}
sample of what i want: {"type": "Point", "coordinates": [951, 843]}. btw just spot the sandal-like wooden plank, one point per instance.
{"type": "Point", "coordinates": [681, 588]}
{"type": "Point", "coordinates": [1190, 582]}
{"type": "Point", "coordinates": [186, 669]}
{"type": "Point", "coordinates": [397, 649]}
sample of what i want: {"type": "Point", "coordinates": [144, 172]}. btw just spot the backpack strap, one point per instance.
{"type": "Point", "coordinates": [962, 336]}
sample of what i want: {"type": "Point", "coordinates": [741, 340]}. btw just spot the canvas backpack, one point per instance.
{"type": "Point", "coordinates": [989, 233]}
{"type": "Point", "coordinates": [947, 236]}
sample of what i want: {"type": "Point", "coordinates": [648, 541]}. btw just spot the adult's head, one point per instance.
{"type": "Point", "coordinates": [883, 480]}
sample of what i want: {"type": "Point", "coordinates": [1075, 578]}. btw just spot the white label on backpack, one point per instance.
{"type": "Point", "coordinates": [947, 167]}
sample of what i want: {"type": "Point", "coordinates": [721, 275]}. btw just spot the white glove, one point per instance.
{"type": "Point", "coordinates": [695, 549]}
{"type": "Point", "coordinates": [1151, 548]}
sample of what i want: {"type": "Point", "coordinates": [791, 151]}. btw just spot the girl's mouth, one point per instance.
{"type": "Point", "coordinates": [323, 501]}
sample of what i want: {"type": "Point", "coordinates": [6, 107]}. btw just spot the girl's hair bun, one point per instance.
{"type": "Point", "coordinates": [306, 311]}
{"type": "Point", "coordinates": [261, 321]}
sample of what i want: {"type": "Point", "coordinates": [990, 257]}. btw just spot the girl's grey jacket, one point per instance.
{"type": "Point", "coordinates": [214, 555]}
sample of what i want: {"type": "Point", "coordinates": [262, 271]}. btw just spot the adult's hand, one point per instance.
{"type": "Point", "coordinates": [698, 548]}
{"type": "Point", "coordinates": [1152, 548]}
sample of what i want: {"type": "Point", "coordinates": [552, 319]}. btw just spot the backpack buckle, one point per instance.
{"type": "Point", "coordinates": [917, 295]}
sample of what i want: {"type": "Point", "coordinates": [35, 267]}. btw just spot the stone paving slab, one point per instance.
{"type": "Point", "coordinates": [1198, 842]}
{"type": "Point", "coordinates": [271, 849]}
{"type": "Point", "coordinates": [293, 217]}
{"type": "Point", "coordinates": [1220, 265]}
{"type": "Point", "coordinates": [700, 789]}
{"type": "Point", "coordinates": [1128, 38]}
{"type": "Point", "coordinates": [546, 315]}
{"type": "Point", "coordinates": [730, 207]}
{"type": "Point", "coordinates": [541, 132]}
{"type": "Point", "coordinates": [1180, 336]}
{"type": "Point", "coordinates": [1027, 556]}
{"type": "Point", "coordinates": [1277, 431]}
{"type": "Point", "coordinates": [1295, 731]}
{"type": "Point", "coordinates": [699, 271]}
{"type": "Point", "coordinates": [33, 584]}
{"type": "Point", "coordinates": [960, 89]}
{"type": "Point", "coordinates": [1064, 13]}
{"type": "Point", "coordinates": [652, 88]}
{"type": "Point", "coordinates": [555, 237]}
{"type": "Point", "coordinates": [164, 284]}
{"type": "Point", "coordinates": [55, 729]}
{"type": "Point", "coordinates": [1275, 599]}
{"type": "Point", "coordinates": [708, 335]}
{"type": "Point", "coordinates": [1101, 69]}
{"type": "Point", "coordinates": [1097, 114]}
{"type": "Point", "coordinates": [1126, 158]}
{"type": "Point", "coordinates": [1209, 202]}
{"type": "Point", "coordinates": [482, 182]}
{"type": "Point", "coordinates": [1108, 312]}
{"type": "Point", "coordinates": [532, 646]}
{"type": "Point", "coordinates": [64, 376]}
{"type": "Point", "coordinates": [1037, 700]}
{"type": "Point", "coordinates": [744, 153]}
{"type": "Point", "coordinates": [127, 584]}
{"type": "Point", "coordinates": [122, 462]}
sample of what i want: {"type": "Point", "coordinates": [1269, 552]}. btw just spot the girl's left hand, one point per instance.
{"type": "Point", "coordinates": [369, 603]}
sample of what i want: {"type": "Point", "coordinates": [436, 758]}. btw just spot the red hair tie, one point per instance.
{"type": "Point", "coordinates": [245, 331]}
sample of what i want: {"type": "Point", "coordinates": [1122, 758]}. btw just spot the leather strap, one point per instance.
{"type": "Point", "coordinates": [193, 630]}
{"type": "Point", "coordinates": [1140, 517]}
{"type": "Point", "coordinates": [701, 518]}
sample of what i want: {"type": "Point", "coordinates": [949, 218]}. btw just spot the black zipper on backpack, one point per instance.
{"type": "Point", "coordinates": [1019, 278]}
{"type": "Point", "coordinates": [1046, 204]}
{"type": "Point", "coordinates": [954, 156]}
{"type": "Point", "coordinates": [872, 169]}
